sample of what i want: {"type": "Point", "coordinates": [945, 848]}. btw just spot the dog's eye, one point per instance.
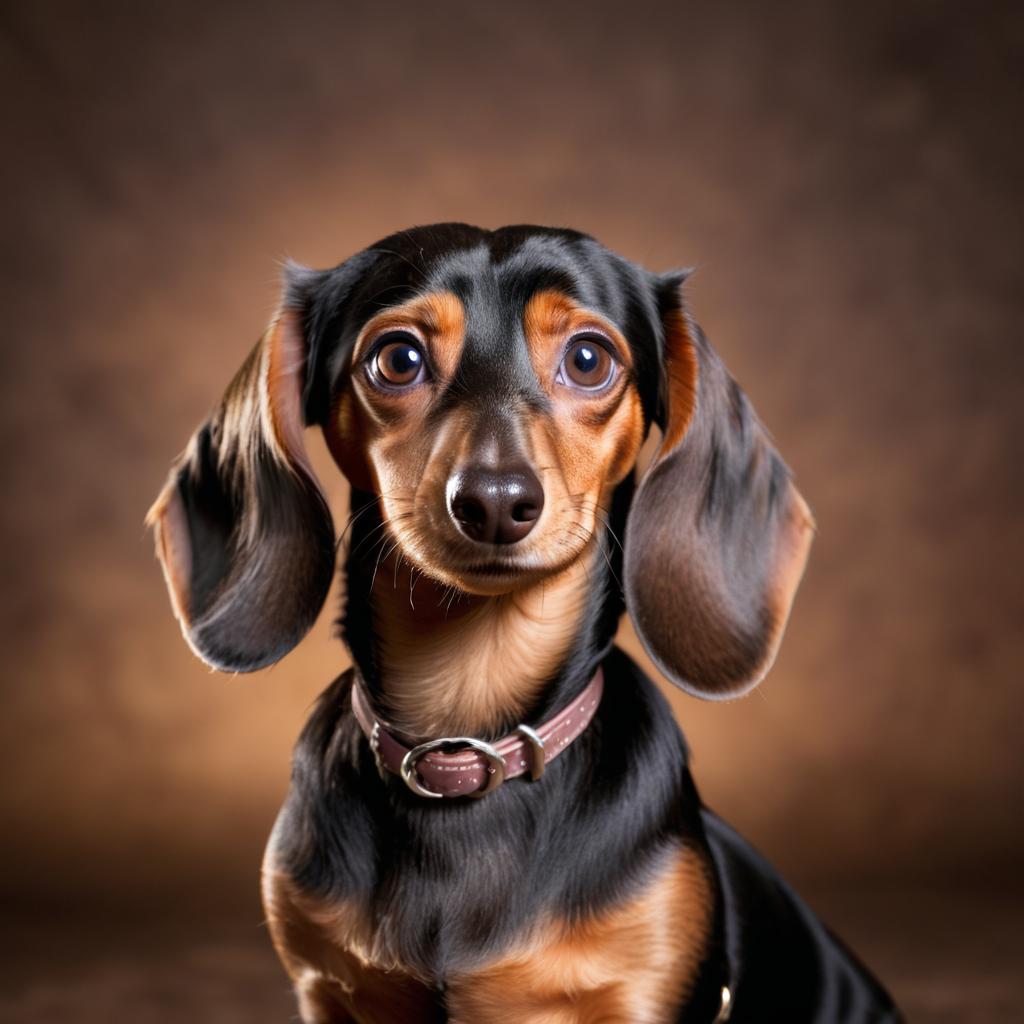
{"type": "Point", "coordinates": [399, 362]}
{"type": "Point", "coordinates": [587, 364]}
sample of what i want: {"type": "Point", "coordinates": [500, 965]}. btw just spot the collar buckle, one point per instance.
{"type": "Point", "coordinates": [495, 773]}
{"type": "Point", "coordinates": [474, 767]}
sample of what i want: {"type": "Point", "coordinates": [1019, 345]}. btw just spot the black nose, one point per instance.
{"type": "Point", "coordinates": [496, 506]}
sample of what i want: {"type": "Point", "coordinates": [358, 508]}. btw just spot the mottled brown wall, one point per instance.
{"type": "Point", "coordinates": [848, 182]}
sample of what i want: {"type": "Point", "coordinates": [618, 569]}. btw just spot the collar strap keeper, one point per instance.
{"type": "Point", "coordinates": [457, 766]}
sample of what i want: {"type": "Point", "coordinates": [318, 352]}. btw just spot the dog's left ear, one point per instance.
{"type": "Point", "coordinates": [243, 531]}
{"type": "Point", "coordinates": [717, 535]}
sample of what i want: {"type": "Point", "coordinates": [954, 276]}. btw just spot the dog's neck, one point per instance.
{"type": "Point", "coordinates": [456, 664]}
{"type": "Point", "coordinates": [443, 663]}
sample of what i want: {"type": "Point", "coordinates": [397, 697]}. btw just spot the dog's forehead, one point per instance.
{"type": "Point", "coordinates": [494, 289]}
{"type": "Point", "coordinates": [493, 273]}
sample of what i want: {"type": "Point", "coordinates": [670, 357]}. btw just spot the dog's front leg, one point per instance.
{"type": "Point", "coordinates": [323, 945]}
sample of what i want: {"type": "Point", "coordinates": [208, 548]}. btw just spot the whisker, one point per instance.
{"type": "Point", "coordinates": [400, 517]}
{"type": "Point", "coordinates": [377, 529]}
{"type": "Point", "coordinates": [381, 557]}
{"type": "Point", "coordinates": [611, 533]}
{"type": "Point", "coordinates": [412, 584]}
{"type": "Point", "coordinates": [362, 510]}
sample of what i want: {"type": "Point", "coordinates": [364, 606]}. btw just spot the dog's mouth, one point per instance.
{"type": "Point", "coordinates": [482, 573]}
{"type": "Point", "coordinates": [427, 539]}
{"type": "Point", "coordinates": [489, 570]}
{"type": "Point", "coordinates": [498, 567]}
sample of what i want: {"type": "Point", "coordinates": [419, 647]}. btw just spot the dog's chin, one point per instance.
{"type": "Point", "coordinates": [487, 577]}
{"type": "Point", "coordinates": [492, 579]}
{"type": "Point", "coordinates": [491, 572]}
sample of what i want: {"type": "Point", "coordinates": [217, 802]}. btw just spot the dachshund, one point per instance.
{"type": "Point", "coordinates": [491, 815]}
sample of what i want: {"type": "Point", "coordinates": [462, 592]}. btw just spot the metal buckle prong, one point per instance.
{"type": "Point", "coordinates": [536, 751]}
{"type": "Point", "coordinates": [494, 774]}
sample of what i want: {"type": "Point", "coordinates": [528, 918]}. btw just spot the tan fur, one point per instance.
{"type": "Point", "coordinates": [681, 364]}
{"type": "Point", "coordinates": [472, 667]}
{"type": "Point", "coordinates": [329, 953]}
{"type": "Point", "coordinates": [593, 440]}
{"type": "Point", "coordinates": [365, 420]}
{"type": "Point", "coordinates": [173, 547]}
{"type": "Point", "coordinates": [437, 318]}
{"type": "Point", "coordinates": [636, 962]}
{"type": "Point", "coordinates": [283, 363]}
{"type": "Point", "coordinates": [791, 551]}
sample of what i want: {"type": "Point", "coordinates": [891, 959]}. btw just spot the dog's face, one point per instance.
{"type": "Point", "coordinates": [491, 389]}
{"type": "Point", "coordinates": [493, 409]}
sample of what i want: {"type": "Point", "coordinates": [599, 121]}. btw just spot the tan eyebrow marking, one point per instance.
{"type": "Point", "coordinates": [437, 318]}
{"type": "Point", "coordinates": [550, 317]}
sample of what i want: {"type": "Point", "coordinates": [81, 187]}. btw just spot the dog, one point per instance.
{"type": "Point", "coordinates": [491, 816]}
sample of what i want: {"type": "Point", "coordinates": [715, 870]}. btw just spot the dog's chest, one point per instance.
{"type": "Point", "coordinates": [655, 938]}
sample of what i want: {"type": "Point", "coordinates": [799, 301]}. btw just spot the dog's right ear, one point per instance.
{"type": "Point", "coordinates": [242, 529]}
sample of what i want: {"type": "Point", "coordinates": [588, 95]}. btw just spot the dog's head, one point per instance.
{"type": "Point", "coordinates": [492, 389]}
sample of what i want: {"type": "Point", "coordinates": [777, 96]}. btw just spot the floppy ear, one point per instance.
{"type": "Point", "coordinates": [242, 529]}
{"type": "Point", "coordinates": [717, 535]}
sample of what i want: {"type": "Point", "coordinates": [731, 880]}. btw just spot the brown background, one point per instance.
{"type": "Point", "coordinates": [847, 180]}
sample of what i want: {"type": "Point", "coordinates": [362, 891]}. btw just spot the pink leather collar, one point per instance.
{"type": "Point", "coordinates": [435, 769]}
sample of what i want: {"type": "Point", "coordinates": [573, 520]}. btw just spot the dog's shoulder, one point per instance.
{"type": "Point", "coordinates": [324, 835]}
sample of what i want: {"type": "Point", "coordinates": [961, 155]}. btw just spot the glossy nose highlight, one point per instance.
{"type": "Point", "coordinates": [496, 506]}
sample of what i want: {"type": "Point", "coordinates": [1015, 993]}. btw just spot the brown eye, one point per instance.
{"type": "Point", "coordinates": [587, 365]}
{"type": "Point", "coordinates": [398, 363]}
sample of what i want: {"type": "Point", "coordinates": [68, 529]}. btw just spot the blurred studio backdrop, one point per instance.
{"type": "Point", "coordinates": [847, 180]}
